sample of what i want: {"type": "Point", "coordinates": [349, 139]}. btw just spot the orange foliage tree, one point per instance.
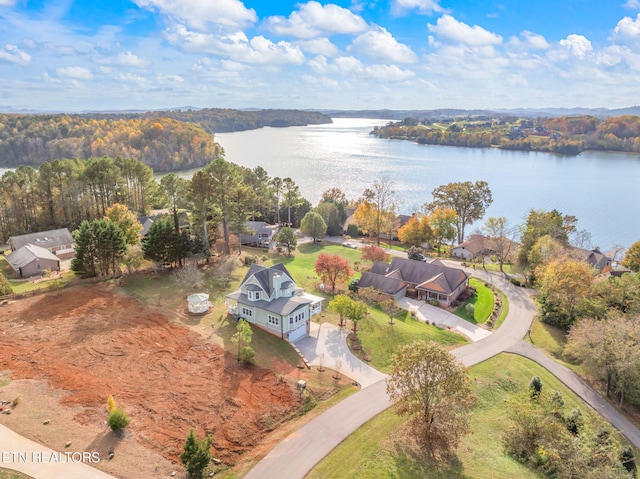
{"type": "Point", "coordinates": [333, 268]}
{"type": "Point", "coordinates": [374, 253]}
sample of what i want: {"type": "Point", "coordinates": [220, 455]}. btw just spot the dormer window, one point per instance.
{"type": "Point", "coordinates": [253, 295]}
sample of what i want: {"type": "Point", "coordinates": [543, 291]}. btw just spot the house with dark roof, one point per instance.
{"type": "Point", "coordinates": [258, 233]}
{"type": "Point", "coordinates": [59, 242]}
{"type": "Point", "coordinates": [477, 246]}
{"type": "Point", "coordinates": [31, 260]}
{"type": "Point", "coordinates": [594, 257]}
{"type": "Point", "coordinates": [424, 281]}
{"type": "Point", "coordinates": [270, 299]}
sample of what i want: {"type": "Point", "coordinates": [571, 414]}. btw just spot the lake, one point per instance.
{"type": "Point", "coordinates": [599, 188]}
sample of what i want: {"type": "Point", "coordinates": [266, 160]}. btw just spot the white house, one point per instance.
{"type": "Point", "coordinates": [270, 299]}
{"type": "Point", "coordinates": [198, 303]}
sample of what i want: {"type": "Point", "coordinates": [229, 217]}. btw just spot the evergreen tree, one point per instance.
{"type": "Point", "coordinates": [196, 455]}
{"type": "Point", "coordinates": [5, 286]}
{"type": "Point", "coordinates": [164, 245]}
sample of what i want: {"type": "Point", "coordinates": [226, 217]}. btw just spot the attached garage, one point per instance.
{"type": "Point", "coordinates": [299, 333]}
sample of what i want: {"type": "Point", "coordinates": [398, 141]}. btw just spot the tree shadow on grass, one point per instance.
{"type": "Point", "coordinates": [105, 443]}
{"type": "Point", "coordinates": [412, 462]}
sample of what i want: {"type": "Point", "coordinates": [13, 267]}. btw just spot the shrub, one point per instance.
{"type": "Point", "coordinates": [118, 420]}
{"type": "Point", "coordinates": [470, 308]}
{"type": "Point", "coordinates": [434, 302]}
{"type": "Point", "coordinates": [247, 354]}
{"type": "Point", "coordinates": [111, 404]}
{"type": "Point", "coordinates": [196, 455]}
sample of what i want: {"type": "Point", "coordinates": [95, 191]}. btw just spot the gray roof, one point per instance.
{"type": "Point", "coordinates": [594, 257]}
{"type": "Point", "coordinates": [281, 306]}
{"type": "Point", "coordinates": [27, 254]}
{"type": "Point", "coordinates": [381, 283]}
{"type": "Point", "coordinates": [265, 276]}
{"type": "Point", "coordinates": [44, 239]}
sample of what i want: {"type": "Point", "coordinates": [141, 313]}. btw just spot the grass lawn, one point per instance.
{"type": "Point", "coordinates": [482, 301]}
{"type": "Point", "coordinates": [379, 339]}
{"type": "Point", "coordinates": [11, 474]}
{"type": "Point", "coordinates": [374, 452]}
{"type": "Point", "coordinates": [24, 285]}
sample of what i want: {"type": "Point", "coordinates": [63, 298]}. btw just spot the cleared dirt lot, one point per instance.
{"type": "Point", "coordinates": [67, 351]}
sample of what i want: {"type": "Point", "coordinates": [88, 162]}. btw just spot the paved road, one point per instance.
{"type": "Point", "coordinates": [39, 461]}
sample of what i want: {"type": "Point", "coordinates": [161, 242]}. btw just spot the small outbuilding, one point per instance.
{"type": "Point", "coordinates": [198, 303]}
{"type": "Point", "coordinates": [31, 260]}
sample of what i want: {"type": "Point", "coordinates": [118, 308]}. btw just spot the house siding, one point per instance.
{"type": "Point", "coordinates": [38, 266]}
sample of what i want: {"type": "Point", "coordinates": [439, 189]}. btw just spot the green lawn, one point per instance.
{"type": "Point", "coordinates": [379, 339]}
{"type": "Point", "coordinates": [11, 474]}
{"type": "Point", "coordinates": [374, 452]}
{"type": "Point", "coordinates": [482, 300]}
{"type": "Point", "coordinates": [24, 285]}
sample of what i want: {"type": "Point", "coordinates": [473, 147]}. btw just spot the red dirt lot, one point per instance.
{"type": "Point", "coordinates": [91, 342]}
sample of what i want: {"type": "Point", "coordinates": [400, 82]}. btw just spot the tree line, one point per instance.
{"type": "Point", "coordinates": [564, 135]}
{"type": "Point", "coordinates": [162, 143]}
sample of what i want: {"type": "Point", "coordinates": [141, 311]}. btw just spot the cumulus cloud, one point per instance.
{"type": "Point", "coordinates": [313, 19]}
{"type": "Point", "coordinates": [199, 13]}
{"type": "Point", "coordinates": [351, 66]}
{"type": "Point", "coordinates": [236, 46]}
{"type": "Point", "coordinates": [380, 44]}
{"type": "Point", "coordinates": [427, 7]}
{"type": "Point", "coordinates": [77, 73]}
{"type": "Point", "coordinates": [451, 29]}
{"type": "Point", "coordinates": [633, 4]}
{"type": "Point", "coordinates": [318, 46]}
{"type": "Point", "coordinates": [577, 45]}
{"type": "Point", "coordinates": [7, 3]}
{"type": "Point", "coordinates": [12, 54]}
{"type": "Point", "coordinates": [627, 29]}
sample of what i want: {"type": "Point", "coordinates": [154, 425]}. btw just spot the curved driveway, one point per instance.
{"type": "Point", "coordinates": [303, 449]}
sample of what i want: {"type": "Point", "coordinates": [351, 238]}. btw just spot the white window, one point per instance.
{"type": "Point", "coordinates": [253, 295]}
{"type": "Point", "coordinates": [247, 312]}
{"type": "Point", "coordinates": [274, 320]}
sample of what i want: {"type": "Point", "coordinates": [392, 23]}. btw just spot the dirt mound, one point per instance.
{"type": "Point", "coordinates": [92, 342]}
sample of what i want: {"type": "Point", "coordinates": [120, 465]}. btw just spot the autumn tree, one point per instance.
{"type": "Point", "coordinates": [341, 304]}
{"type": "Point", "coordinates": [443, 224]}
{"type": "Point", "coordinates": [376, 211]}
{"type": "Point", "coordinates": [469, 201]}
{"type": "Point", "coordinates": [313, 225]}
{"type": "Point", "coordinates": [632, 257]}
{"type": "Point", "coordinates": [332, 269]}
{"type": "Point", "coordinates": [356, 312]}
{"type": "Point", "coordinates": [121, 216]}
{"type": "Point", "coordinates": [564, 287]}
{"type": "Point", "coordinates": [286, 237]}
{"type": "Point", "coordinates": [499, 237]}
{"type": "Point", "coordinates": [433, 390]}
{"type": "Point", "coordinates": [540, 223]}
{"type": "Point", "coordinates": [416, 231]}
{"type": "Point", "coordinates": [390, 307]}
{"type": "Point", "coordinates": [242, 337]}
{"type": "Point", "coordinates": [609, 350]}
{"type": "Point", "coordinates": [375, 253]}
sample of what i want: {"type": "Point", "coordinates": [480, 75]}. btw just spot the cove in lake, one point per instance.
{"type": "Point", "coordinates": [599, 188]}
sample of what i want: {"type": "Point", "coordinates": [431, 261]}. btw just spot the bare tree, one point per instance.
{"type": "Point", "coordinates": [189, 276]}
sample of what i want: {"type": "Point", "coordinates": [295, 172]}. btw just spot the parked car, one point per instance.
{"type": "Point", "coordinates": [346, 244]}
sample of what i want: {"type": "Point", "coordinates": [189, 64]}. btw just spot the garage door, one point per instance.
{"type": "Point", "coordinates": [298, 333]}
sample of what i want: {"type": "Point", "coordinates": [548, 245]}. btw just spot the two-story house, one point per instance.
{"type": "Point", "coordinates": [270, 299]}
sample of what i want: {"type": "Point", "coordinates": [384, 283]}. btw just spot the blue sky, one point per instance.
{"type": "Point", "coordinates": [72, 55]}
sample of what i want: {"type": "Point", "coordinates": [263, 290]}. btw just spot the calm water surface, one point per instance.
{"type": "Point", "coordinates": [600, 188]}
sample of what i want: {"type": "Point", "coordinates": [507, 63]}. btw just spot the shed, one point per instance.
{"type": "Point", "coordinates": [30, 260]}
{"type": "Point", "coordinates": [198, 303]}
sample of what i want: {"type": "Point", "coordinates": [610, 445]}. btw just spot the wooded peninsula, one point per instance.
{"type": "Point", "coordinates": [568, 135]}
{"type": "Point", "coordinates": [163, 140]}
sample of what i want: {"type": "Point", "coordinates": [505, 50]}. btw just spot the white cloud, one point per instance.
{"type": "Point", "coordinates": [351, 66]}
{"type": "Point", "coordinates": [399, 7]}
{"type": "Point", "coordinates": [13, 54]}
{"type": "Point", "coordinates": [78, 73]}
{"type": "Point", "coordinates": [449, 28]}
{"type": "Point", "coordinates": [627, 29]}
{"type": "Point", "coordinates": [129, 59]}
{"type": "Point", "coordinates": [577, 45]}
{"type": "Point", "coordinates": [7, 3]}
{"type": "Point", "coordinates": [312, 19]}
{"type": "Point", "coordinates": [236, 46]}
{"type": "Point", "coordinates": [633, 4]}
{"type": "Point", "coordinates": [199, 13]}
{"type": "Point", "coordinates": [130, 77]}
{"type": "Point", "coordinates": [170, 79]}
{"type": "Point", "coordinates": [318, 46]}
{"type": "Point", "coordinates": [529, 41]}
{"type": "Point", "coordinates": [381, 45]}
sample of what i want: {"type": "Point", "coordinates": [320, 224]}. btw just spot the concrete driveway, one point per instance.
{"type": "Point", "coordinates": [327, 345]}
{"type": "Point", "coordinates": [425, 312]}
